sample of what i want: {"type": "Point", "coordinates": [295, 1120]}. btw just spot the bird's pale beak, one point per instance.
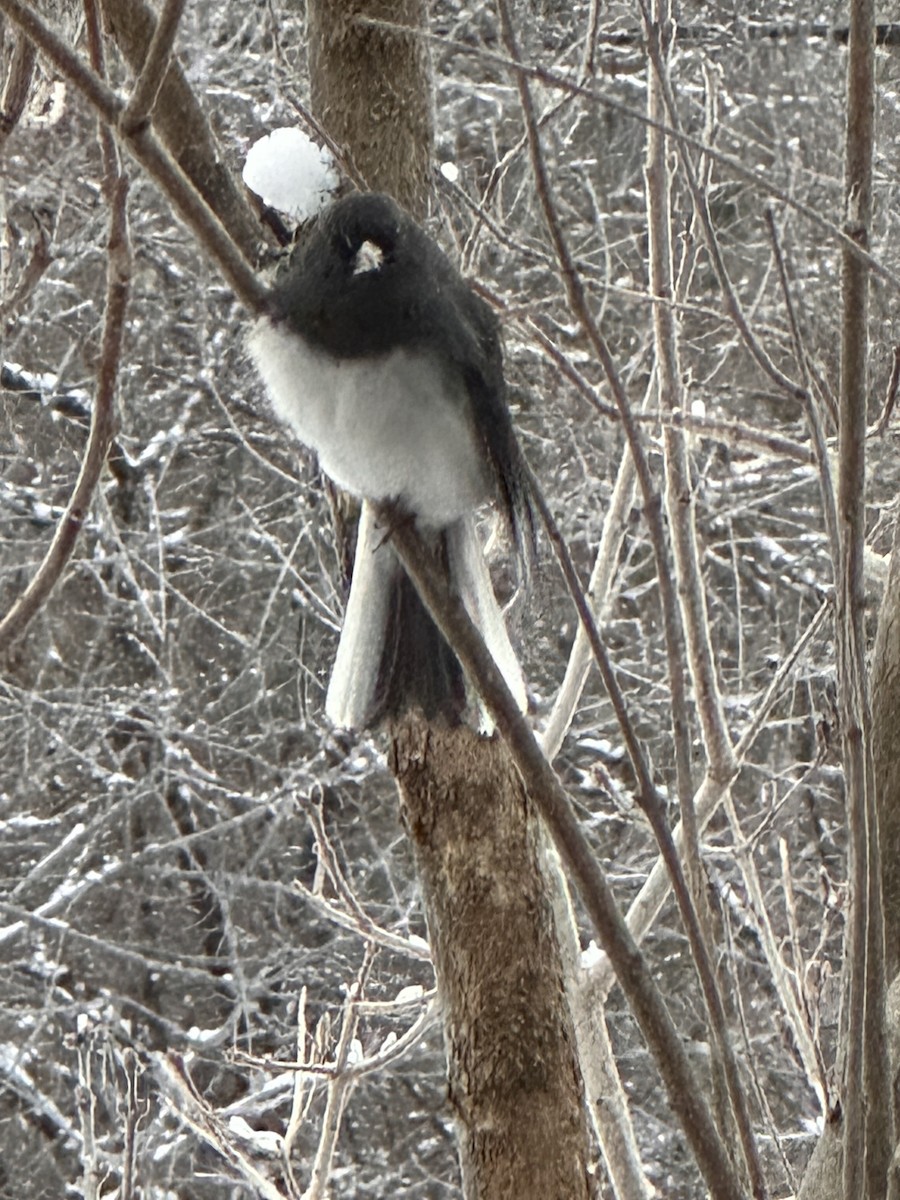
{"type": "Point", "coordinates": [369, 257]}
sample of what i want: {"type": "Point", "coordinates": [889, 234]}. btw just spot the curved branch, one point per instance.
{"type": "Point", "coordinates": [146, 148]}
{"type": "Point", "coordinates": [102, 416]}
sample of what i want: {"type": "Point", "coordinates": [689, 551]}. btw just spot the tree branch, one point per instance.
{"type": "Point", "coordinates": [868, 1116]}
{"type": "Point", "coordinates": [153, 72]}
{"type": "Point", "coordinates": [544, 789]}
{"type": "Point", "coordinates": [17, 87]}
{"type": "Point", "coordinates": [118, 252]}
{"type": "Point", "coordinates": [145, 147]}
{"type": "Point", "coordinates": [589, 90]}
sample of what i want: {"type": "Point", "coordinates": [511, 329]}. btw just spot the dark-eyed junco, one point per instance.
{"type": "Point", "coordinates": [386, 363]}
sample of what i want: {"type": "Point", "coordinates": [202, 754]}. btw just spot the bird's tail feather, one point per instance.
{"type": "Point", "coordinates": [391, 656]}
{"type": "Point", "coordinates": [351, 690]}
{"type": "Point", "coordinates": [469, 574]}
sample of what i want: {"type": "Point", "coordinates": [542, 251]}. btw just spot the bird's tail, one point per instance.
{"type": "Point", "coordinates": [391, 656]}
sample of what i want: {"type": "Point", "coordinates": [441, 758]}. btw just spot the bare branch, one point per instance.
{"type": "Point", "coordinates": [182, 1096]}
{"type": "Point", "coordinates": [680, 507]}
{"type": "Point", "coordinates": [180, 120]}
{"type": "Point", "coordinates": [645, 786]}
{"type": "Point", "coordinates": [145, 147]}
{"type": "Point", "coordinates": [890, 398]}
{"type": "Point", "coordinates": [785, 985]}
{"type": "Point", "coordinates": [679, 489]}
{"type": "Point", "coordinates": [118, 285]}
{"type": "Point", "coordinates": [153, 72]}
{"type": "Point", "coordinates": [339, 1089]}
{"type": "Point", "coordinates": [17, 87]}
{"type": "Point", "coordinates": [647, 904]}
{"type": "Point", "coordinates": [733, 305]}
{"type": "Point", "coordinates": [38, 262]}
{"type": "Point", "coordinates": [739, 169]}
{"type": "Point", "coordinates": [868, 1116]}
{"type": "Point", "coordinates": [580, 306]}
{"type": "Point", "coordinates": [812, 413]}
{"type": "Point", "coordinates": [363, 925]}
{"type": "Point", "coordinates": [598, 590]}
{"type": "Point", "coordinates": [604, 1093]}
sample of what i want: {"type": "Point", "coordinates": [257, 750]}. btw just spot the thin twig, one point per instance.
{"type": "Point", "coordinates": [735, 433]}
{"type": "Point", "coordinates": [785, 988]}
{"type": "Point", "coordinates": [890, 396]}
{"type": "Point", "coordinates": [118, 284]}
{"type": "Point", "coordinates": [733, 306]}
{"type": "Point", "coordinates": [86, 1103]}
{"type": "Point", "coordinates": [646, 906]}
{"type": "Point", "coordinates": [645, 786]}
{"type": "Point", "coordinates": [593, 92]}
{"type": "Point", "coordinates": [338, 1089]}
{"type": "Point", "coordinates": [650, 803]}
{"type": "Point", "coordinates": [299, 1099]}
{"type": "Point", "coordinates": [588, 65]}
{"type": "Point", "coordinates": [679, 488]}
{"type": "Point", "coordinates": [182, 1096]}
{"type": "Point", "coordinates": [390, 1052]}
{"type": "Point", "coordinates": [148, 151]}
{"type": "Point", "coordinates": [614, 527]}
{"type": "Point", "coordinates": [190, 968]}
{"type": "Point", "coordinates": [130, 1122]}
{"type": "Point", "coordinates": [344, 160]}
{"type": "Point", "coordinates": [604, 1094]}
{"type": "Point", "coordinates": [680, 507]}
{"type": "Point", "coordinates": [365, 926]}
{"type": "Point", "coordinates": [812, 413]}
{"type": "Point", "coordinates": [328, 859]}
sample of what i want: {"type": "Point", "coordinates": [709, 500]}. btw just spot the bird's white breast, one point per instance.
{"type": "Point", "coordinates": [394, 427]}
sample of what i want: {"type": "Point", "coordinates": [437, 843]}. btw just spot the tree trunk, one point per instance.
{"type": "Point", "coordinates": [371, 90]}
{"type": "Point", "coordinates": [514, 1083]}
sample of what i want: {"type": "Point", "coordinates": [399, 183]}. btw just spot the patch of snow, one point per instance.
{"type": "Point", "coordinates": [289, 172]}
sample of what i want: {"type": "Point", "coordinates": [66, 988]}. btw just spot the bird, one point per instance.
{"type": "Point", "coordinates": [386, 363]}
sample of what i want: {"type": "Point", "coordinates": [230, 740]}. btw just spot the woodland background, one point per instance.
{"type": "Point", "coordinates": [198, 877]}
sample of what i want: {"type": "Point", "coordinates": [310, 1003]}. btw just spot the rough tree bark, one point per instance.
{"type": "Point", "coordinates": [371, 90]}
{"type": "Point", "coordinates": [514, 1083]}
{"type": "Point", "coordinates": [515, 1086]}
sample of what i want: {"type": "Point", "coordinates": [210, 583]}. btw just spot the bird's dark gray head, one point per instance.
{"type": "Point", "coordinates": [367, 279]}
{"type": "Point", "coordinates": [357, 222]}
{"type": "Point", "coordinates": [354, 287]}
